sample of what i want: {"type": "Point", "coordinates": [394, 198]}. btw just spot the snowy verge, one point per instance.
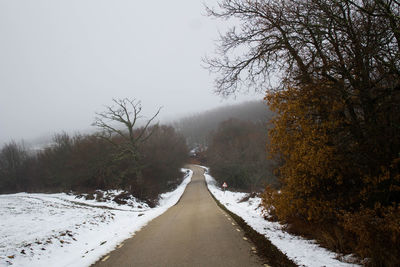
{"type": "Point", "coordinates": [302, 251]}
{"type": "Point", "coordinates": [62, 230]}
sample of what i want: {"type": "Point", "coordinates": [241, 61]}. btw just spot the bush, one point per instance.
{"type": "Point", "coordinates": [163, 154]}
{"type": "Point", "coordinates": [377, 231]}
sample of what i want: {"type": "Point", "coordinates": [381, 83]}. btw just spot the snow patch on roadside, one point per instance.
{"type": "Point", "coordinates": [303, 252]}
{"type": "Point", "coordinates": [62, 230]}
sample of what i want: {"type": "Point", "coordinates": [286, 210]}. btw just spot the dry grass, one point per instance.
{"type": "Point", "coordinates": [329, 236]}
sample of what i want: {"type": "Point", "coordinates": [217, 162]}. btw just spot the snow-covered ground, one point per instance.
{"type": "Point", "coordinates": [62, 230]}
{"type": "Point", "coordinates": [303, 252]}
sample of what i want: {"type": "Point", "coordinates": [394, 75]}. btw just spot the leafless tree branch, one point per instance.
{"type": "Point", "coordinates": [126, 112]}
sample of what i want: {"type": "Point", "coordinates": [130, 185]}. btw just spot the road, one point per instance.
{"type": "Point", "coordinates": [194, 232]}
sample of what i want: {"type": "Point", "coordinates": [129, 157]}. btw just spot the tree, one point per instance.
{"type": "Point", "coordinates": [126, 113]}
{"type": "Point", "coordinates": [351, 47]}
{"type": "Point", "coordinates": [337, 99]}
{"type": "Point", "coordinates": [345, 52]}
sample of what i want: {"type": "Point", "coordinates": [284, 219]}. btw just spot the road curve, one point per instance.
{"type": "Point", "coordinates": [194, 232]}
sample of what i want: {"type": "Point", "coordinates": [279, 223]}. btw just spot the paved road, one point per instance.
{"type": "Point", "coordinates": [194, 232]}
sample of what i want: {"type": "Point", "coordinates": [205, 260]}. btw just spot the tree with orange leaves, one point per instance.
{"type": "Point", "coordinates": [337, 99]}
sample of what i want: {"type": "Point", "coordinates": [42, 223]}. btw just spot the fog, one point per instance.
{"type": "Point", "coordinates": [61, 61]}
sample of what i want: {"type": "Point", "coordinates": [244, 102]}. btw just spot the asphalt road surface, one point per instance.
{"type": "Point", "coordinates": [194, 232]}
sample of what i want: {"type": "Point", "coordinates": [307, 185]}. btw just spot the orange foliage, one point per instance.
{"type": "Point", "coordinates": [301, 139]}
{"type": "Point", "coordinates": [331, 176]}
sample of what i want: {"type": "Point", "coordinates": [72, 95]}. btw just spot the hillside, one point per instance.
{"type": "Point", "coordinates": [196, 128]}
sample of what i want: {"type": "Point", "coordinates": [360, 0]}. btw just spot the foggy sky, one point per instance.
{"type": "Point", "coordinates": [61, 61]}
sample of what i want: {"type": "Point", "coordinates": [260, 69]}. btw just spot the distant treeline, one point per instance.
{"type": "Point", "coordinates": [231, 140]}
{"type": "Point", "coordinates": [197, 128]}
{"type": "Point", "coordinates": [85, 162]}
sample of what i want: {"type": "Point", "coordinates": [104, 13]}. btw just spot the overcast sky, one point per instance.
{"type": "Point", "coordinates": [61, 61]}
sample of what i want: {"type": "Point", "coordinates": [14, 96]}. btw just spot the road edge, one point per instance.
{"type": "Point", "coordinates": [268, 252]}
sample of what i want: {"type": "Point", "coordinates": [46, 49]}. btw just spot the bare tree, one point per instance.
{"type": "Point", "coordinates": [354, 44]}
{"type": "Point", "coordinates": [118, 126]}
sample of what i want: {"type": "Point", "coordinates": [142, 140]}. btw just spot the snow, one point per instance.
{"type": "Point", "coordinates": [303, 252]}
{"type": "Point", "coordinates": [62, 230]}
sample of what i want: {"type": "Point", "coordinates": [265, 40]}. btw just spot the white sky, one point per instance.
{"type": "Point", "coordinates": [61, 61]}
